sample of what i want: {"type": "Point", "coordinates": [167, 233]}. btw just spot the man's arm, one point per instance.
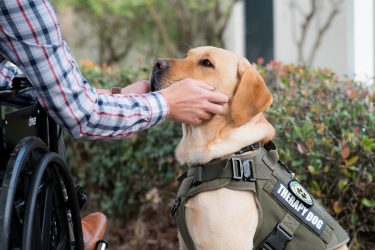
{"type": "Point", "coordinates": [30, 37]}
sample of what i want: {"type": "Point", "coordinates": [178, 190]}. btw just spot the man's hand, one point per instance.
{"type": "Point", "coordinates": [191, 101]}
{"type": "Point", "coordinates": [140, 87]}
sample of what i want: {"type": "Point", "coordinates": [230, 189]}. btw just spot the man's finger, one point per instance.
{"type": "Point", "coordinates": [217, 97]}
{"type": "Point", "coordinates": [195, 121]}
{"type": "Point", "coordinates": [205, 115]}
{"type": "Point", "coordinates": [214, 108]}
{"type": "Point", "coordinates": [203, 85]}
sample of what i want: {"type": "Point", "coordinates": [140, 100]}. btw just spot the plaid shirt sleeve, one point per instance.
{"type": "Point", "coordinates": [30, 37]}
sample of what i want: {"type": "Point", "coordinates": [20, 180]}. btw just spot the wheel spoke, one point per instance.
{"type": "Point", "coordinates": [47, 214]}
{"type": "Point", "coordinates": [36, 229]}
{"type": "Point", "coordinates": [62, 244]}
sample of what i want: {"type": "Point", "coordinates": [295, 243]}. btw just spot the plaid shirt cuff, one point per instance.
{"type": "Point", "coordinates": [158, 108]}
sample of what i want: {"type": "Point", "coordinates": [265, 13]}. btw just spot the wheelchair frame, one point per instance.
{"type": "Point", "coordinates": [39, 205]}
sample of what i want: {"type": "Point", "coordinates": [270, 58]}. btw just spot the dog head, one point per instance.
{"type": "Point", "coordinates": [228, 72]}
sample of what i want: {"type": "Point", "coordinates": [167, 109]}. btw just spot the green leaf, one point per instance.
{"type": "Point", "coordinates": [343, 184]}
{"type": "Point", "coordinates": [312, 169]}
{"type": "Point", "coordinates": [307, 127]}
{"type": "Point", "coordinates": [298, 131]}
{"type": "Point", "coordinates": [315, 186]}
{"type": "Point", "coordinates": [367, 202]}
{"type": "Point", "coordinates": [368, 144]}
{"type": "Point", "coordinates": [354, 218]}
{"type": "Point", "coordinates": [351, 161]}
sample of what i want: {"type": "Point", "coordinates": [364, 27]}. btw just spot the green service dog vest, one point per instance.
{"type": "Point", "coordinates": [289, 217]}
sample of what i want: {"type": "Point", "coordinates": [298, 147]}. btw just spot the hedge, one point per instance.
{"type": "Point", "coordinates": [324, 130]}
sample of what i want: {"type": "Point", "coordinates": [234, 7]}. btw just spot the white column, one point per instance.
{"type": "Point", "coordinates": [364, 40]}
{"type": "Point", "coordinates": [234, 34]}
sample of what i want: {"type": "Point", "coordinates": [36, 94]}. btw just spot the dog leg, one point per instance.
{"type": "Point", "coordinates": [222, 219]}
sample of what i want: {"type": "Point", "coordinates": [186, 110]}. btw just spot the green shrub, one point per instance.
{"type": "Point", "coordinates": [325, 133]}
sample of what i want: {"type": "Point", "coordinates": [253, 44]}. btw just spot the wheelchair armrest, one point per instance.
{"type": "Point", "coordinates": [20, 94]}
{"type": "Point", "coordinates": [93, 228]}
{"type": "Point", "coordinates": [21, 82]}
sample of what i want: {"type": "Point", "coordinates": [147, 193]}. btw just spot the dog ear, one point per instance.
{"type": "Point", "coordinates": [251, 95]}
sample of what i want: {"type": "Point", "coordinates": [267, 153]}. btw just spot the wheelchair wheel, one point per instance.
{"type": "Point", "coordinates": [38, 203]}
{"type": "Point", "coordinates": [14, 190]}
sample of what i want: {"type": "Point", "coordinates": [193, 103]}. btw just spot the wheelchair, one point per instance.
{"type": "Point", "coordinates": [39, 204]}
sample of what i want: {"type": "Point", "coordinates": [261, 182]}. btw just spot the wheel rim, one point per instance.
{"type": "Point", "coordinates": [52, 208]}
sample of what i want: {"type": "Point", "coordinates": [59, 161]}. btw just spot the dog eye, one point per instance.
{"type": "Point", "coordinates": [206, 63]}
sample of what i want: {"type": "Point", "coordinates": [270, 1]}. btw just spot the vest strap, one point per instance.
{"type": "Point", "coordinates": [281, 235]}
{"type": "Point", "coordinates": [182, 225]}
{"type": "Point", "coordinates": [233, 168]}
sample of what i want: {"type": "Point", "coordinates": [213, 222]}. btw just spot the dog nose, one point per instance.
{"type": "Point", "coordinates": [161, 64]}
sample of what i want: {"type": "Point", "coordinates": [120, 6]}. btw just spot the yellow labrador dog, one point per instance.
{"type": "Point", "coordinates": [220, 137]}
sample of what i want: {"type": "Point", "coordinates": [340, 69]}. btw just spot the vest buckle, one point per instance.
{"type": "Point", "coordinates": [248, 170]}
{"type": "Point", "coordinates": [277, 240]}
{"type": "Point", "coordinates": [242, 170]}
{"type": "Point", "coordinates": [237, 169]}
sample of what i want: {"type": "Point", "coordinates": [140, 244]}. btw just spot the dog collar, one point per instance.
{"type": "Point", "coordinates": [252, 147]}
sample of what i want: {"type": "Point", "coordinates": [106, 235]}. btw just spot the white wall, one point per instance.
{"type": "Point", "coordinates": [347, 47]}
{"type": "Point", "coordinates": [335, 49]}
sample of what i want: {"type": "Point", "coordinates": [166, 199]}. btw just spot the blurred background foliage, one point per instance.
{"type": "Point", "coordinates": [154, 27]}
{"type": "Point", "coordinates": [324, 123]}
